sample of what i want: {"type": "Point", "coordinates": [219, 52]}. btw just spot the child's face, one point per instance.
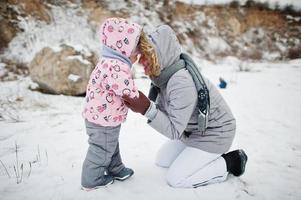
{"type": "Point", "coordinates": [133, 58]}
{"type": "Point", "coordinates": [144, 62]}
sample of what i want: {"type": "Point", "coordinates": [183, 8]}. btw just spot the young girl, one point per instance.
{"type": "Point", "coordinates": [104, 110]}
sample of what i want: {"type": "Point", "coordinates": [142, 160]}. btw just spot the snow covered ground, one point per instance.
{"type": "Point", "coordinates": [265, 98]}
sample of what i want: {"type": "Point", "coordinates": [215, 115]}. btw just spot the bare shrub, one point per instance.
{"type": "Point", "coordinates": [290, 10]}
{"type": "Point", "coordinates": [277, 6]}
{"type": "Point", "coordinates": [294, 53]}
{"type": "Point", "coordinates": [5, 168]}
{"type": "Point", "coordinates": [263, 5]}
{"type": "Point", "coordinates": [250, 4]}
{"type": "Point", "coordinates": [234, 4]}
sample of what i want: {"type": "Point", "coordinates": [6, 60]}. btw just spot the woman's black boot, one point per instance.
{"type": "Point", "coordinates": [236, 161]}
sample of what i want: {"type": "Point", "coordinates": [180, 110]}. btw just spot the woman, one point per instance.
{"type": "Point", "coordinates": [194, 157]}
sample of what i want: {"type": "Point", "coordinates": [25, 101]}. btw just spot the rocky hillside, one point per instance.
{"type": "Point", "coordinates": [41, 30]}
{"type": "Point", "coordinates": [247, 32]}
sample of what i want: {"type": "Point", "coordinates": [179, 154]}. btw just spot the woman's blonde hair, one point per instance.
{"type": "Point", "coordinates": [148, 52]}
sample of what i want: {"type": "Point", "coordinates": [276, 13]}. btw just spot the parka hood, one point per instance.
{"type": "Point", "coordinates": [166, 44]}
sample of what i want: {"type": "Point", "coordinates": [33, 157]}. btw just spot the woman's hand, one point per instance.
{"type": "Point", "coordinates": [139, 104]}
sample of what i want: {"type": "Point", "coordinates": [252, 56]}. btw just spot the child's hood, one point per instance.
{"type": "Point", "coordinates": [121, 35]}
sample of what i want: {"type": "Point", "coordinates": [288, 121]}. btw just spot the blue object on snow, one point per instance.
{"type": "Point", "coordinates": [222, 83]}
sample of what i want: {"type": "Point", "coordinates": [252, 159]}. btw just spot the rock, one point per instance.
{"type": "Point", "coordinates": [11, 70]}
{"type": "Point", "coordinates": [8, 24]}
{"type": "Point", "coordinates": [7, 33]}
{"type": "Point", "coordinates": [97, 13]}
{"type": "Point", "coordinates": [10, 13]}
{"type": "Point", "coordinates": [35, 8]}
{"type": "Point", "coordinates": [3, 71]}
{"type": "Point", "coordinates": [235, 26]}
{"type": "Point", "coordinates": [63, 70]}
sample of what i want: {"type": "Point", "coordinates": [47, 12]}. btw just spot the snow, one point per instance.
{"type": "Point", "coordinates": [79, 58]}
{"type": "Point", "coordinates": [2, 69]}
{"type": "Point", "coordinates": [67, 26]}
{"type": "Point", "coordinates": [74, 77]}
{"type": "Point", "coordinates": [296, 19]}
{"type": "Point", "coordinates": [146, 18]}
{"type": "Point", "coordinates": [217, 44]}
{"type": "Point", "coordinates": [50, 134]}
{"type": "Point", "coordinates": [56, 48]}
{"type": "Point", "coordinates": [271, 55]}
{"type": "Point", "coordinates": [2, 65]}
{"type": "Point", "coordinates": [116, 5]}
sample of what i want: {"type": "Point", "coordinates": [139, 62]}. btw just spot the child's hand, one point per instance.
{"type": "Point", "coordinates": [138, 104]}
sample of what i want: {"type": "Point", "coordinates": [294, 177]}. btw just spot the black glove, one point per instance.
{"type": "Point", "coordinates": [138, 105]}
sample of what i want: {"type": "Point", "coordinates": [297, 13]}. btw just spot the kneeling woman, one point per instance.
{"type": "Point", "coordinates": [194, 157]}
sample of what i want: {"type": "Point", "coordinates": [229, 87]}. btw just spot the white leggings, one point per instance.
{"type": "Point", "coordinates": [190, 167]}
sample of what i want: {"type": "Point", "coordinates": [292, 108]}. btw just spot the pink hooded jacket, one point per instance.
{"type": "Point", "coordinates": [112, 76]}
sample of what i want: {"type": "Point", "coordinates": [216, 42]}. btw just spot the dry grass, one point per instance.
{"type": "Point", "coordinates": [19, 166]}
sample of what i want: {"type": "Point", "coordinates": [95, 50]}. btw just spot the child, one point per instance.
{"type": "Point", "coordinates": [104, 110]}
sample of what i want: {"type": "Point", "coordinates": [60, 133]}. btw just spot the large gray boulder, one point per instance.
{"type": "Point", "coordinates": [63, 70]}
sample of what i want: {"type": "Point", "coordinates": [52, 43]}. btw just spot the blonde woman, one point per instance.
{"type": "Point", "coordinates": [194, 158]}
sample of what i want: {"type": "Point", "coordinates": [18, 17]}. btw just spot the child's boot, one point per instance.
{"type": "Point", "coordinates": [124, 174]}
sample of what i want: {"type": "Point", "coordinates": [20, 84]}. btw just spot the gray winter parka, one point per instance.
{"type": "Point", "coordinates": [176, 103]}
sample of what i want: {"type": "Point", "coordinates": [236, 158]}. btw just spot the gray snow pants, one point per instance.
{"type": "Point", "coordinates": [103, 155]}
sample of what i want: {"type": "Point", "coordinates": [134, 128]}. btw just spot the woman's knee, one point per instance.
{"type": "Point", "coordinates": [176, 176]}
{"type": "Point", "coordinates": [161, 161]}
{"type": "Point", "coordinates": [168, 153]}
{"type": "Point", "coordinates": [175, 180]}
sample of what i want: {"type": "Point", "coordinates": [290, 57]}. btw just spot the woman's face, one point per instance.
{"type": "Point", "coordinates": [144, 62]}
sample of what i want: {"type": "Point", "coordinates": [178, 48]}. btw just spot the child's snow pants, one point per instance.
{"type": "Point", "coordinates": [103, 155]}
